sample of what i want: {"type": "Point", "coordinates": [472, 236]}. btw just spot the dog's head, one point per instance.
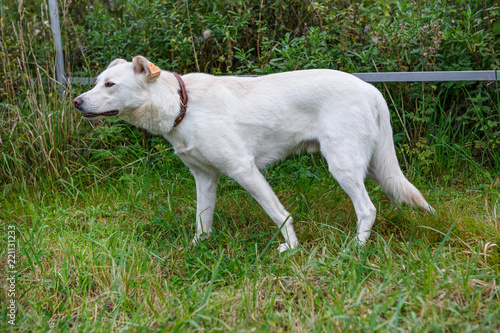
{"type": "Point", "coordinates": [121, 88]}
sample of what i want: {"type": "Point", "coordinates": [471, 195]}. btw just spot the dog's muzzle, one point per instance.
{"type": "Point", "coordinates": [78, 103]}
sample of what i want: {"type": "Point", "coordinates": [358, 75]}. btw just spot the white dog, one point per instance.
{"type": "Point", "coordinates": [236, 126]}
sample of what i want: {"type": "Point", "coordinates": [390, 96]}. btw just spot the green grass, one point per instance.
{"type": "Point", "coordinates": [116, 255]}
{"type": "Point", "coordinates": [104, 214]}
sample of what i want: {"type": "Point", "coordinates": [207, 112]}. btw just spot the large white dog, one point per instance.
{"type": "Point", "coordinates": [236, 126]}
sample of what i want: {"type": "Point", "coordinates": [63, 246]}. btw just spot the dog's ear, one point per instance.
{"type": "Point", "coordinates": [143, 66]}
{"type": "Point", "coordinates": [116, 62]}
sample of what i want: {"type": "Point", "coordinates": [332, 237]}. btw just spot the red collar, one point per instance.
{"type": "Point", "coordinates": [184, 100]}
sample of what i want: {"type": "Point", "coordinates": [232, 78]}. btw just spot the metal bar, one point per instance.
{"type": "Point", "coordinates": [428, 76]}
{"type": "Point", "coordinates": [388, 77]}
{"type": "Point", "coordinates": [56, 32]}
{"type": "Point", "coordinates": [81, 80]}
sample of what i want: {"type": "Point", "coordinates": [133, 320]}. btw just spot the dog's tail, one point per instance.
{"type": "Point", "coordinates": [384, 166]}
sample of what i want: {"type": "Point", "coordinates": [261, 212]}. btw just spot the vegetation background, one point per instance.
{"type": "Point", "coordinates": [104, 212]}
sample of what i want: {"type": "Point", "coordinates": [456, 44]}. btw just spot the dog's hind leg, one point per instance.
{"type": "Point", "coordinates": [348, 166]}
{"type": "Point", "coordinates": [254, 182]}
{"type": "Point", "coordinates": [206, 188]}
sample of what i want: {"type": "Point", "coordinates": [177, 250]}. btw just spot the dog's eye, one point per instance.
{"type": "Point", "coordinates": [109, 84]}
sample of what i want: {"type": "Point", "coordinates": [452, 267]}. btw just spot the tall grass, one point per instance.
{"type": "Point", "coordinates": [45, 143]}
{"type": "Point", "coordinates": [36, 118]}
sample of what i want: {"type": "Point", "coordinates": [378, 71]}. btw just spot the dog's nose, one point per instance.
{"type": "Point", "coordinates": [77, 102]}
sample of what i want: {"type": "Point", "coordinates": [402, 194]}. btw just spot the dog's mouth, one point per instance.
{"type": "Point", "coordinates": [111, 113]}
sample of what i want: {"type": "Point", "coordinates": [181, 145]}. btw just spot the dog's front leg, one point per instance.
{"type": "Point", "coordinates": [206, 187]}
{"type": "Point", "coordinates": [254, 182]}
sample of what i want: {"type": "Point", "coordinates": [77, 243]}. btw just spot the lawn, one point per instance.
{"type": "Point", "coordinates": [97, 218]}
{"type": "Point", "coordinates": [116, 255]}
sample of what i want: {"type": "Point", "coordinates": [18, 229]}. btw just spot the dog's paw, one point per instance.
{"type": "Point", "coordinates": [199, 238]}
{"type": "Point", "coordinates": [360, 242]}
{"type": "Point", "coordinates": [285, 247]}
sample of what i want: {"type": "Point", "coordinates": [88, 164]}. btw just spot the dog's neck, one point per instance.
{"type": "Point", "coordinates": [159, 113]}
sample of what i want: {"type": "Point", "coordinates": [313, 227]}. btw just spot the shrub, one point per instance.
{"type": "Point", "coordinates": [241, 37]}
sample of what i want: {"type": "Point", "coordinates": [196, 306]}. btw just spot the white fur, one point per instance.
{"type": "Point", "coordinates": [236, 126]}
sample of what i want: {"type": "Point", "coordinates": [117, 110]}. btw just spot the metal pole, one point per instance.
{"type": "Point", "coordinates": [386, 77]}
{"type": "Point", "coordinates": [428, 76]}
{"type": "Point", "coordinates": [56, 32]}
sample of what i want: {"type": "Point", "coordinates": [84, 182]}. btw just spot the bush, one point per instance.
{"type": "Point", "coordinates": [227, 37]}
{"type": "Point", "coordinates": [242, 37]}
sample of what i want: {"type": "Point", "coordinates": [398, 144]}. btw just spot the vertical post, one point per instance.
{"type": "Point", "coordinates": [56, 32]}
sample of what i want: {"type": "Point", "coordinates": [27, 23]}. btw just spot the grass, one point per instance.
{"type": "Point", "coordinates": [117, 256]}
{"type": "Point", "coordinates": [104, 215]}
